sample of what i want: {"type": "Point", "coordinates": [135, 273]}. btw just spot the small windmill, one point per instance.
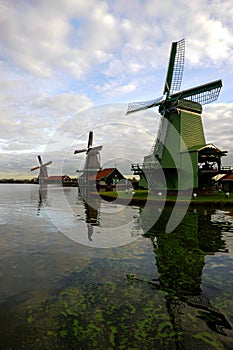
{"type": "Point", "coordinates": [92, 162]}
{"type": "Point", "coordinates": [43, 173]}
{"type": "Point", "coordinates": [182, 112]}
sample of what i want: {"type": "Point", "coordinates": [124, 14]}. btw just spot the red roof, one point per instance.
{"type": "Point", "coordinates": [228, 177]}
{"type": "Point", "coordinates": [102, 174]}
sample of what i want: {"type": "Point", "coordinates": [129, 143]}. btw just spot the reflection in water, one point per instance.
{"type": "Point", "coordinates": [85, 218]}
{"type": "Point", "coordinates": [43, 193]}
{"type": "Point", "coordinates": [92, 209]}
{"type": "Point", "coordinates": [61, 295]}
{"type": "Point", "coordinates": [180, 256]}
{"type": "Point", "coordinates": [180, 262]}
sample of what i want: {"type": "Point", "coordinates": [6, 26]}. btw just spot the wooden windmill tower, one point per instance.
{"type": "Point", "coordinates": [43, 173]}
{"type": "Point", "coordinates": [181, 131]}
{"type": "Point", "coordinates": [92, 162]}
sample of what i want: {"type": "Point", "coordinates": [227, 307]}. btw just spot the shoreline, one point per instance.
{"type": "Point", "coordinates": [205, 202]}
{"type": "Point", "coordinates": [217, 200]}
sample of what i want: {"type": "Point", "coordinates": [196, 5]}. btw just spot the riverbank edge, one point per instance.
{"type": "Point", "coordinates": [219, 203]}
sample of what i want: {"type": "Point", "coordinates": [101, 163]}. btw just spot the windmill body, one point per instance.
{"type": "Point", "coordinates": [43, 171]}
{"type": "Point", "coordinates": [180, 138]}
{"type": "Point", "coordinates": [92, 161]}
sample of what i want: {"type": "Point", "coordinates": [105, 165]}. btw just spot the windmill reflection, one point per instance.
{"type": "Point", "coordinates": [92, 215]}
{"type": "Point", "coordinates": [87, 185]}
{"type": "Point", "coordinates": [180, 261]}
{"type": "Point", "coordinates": [92, 209]}
{"type": "Point", "coordinates": [42, 197]}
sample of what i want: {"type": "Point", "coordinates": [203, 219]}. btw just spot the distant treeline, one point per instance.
{"type": "Point", "coordinates": [70, 182]}
{"type": "Point", "coordinates": [18, 181]}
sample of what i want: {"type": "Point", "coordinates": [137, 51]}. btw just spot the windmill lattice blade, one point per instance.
{"type": "Point", "coordinates": [139, 106]}
{"type": "Point", "coordinates": [35, 168]}
{"type": "Point", "coordinates": [202, 94]}
{"type": "Point", "coordinates": [40, 161]}
{"type": "Point", "coordinates": [90, 139]}
{"type": "Point", "coordinates": [80, 150]}
{"type": "Point", "coordinates": [175, 67]}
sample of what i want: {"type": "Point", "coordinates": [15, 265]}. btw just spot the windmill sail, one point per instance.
{"type": "Point", "coordinates": [175, 68]}
{"type": "Point", "coordinates": [35, 168]}
{"type": "Point", "coordinates": [89, 144]}
{"type": "Point", "coordinates": [80, 150]}
{"type": "Point", "coordinates": [48, 163]}
{"type": "Point", "coordinates": [90, 139]}
{"type": "Point", "coordinates": [139, 106]}
{"type": "Point", "coordinates": [95, 149]}
{"type": "Point", "coordinates": [173, 79]}
{"type": "Point", "coordinates": [202, 94]}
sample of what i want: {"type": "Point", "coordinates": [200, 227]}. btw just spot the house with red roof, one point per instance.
{"type": "Point", "coordinates": [227, 182]}
{"type": "Point", "coordinates": [108, 177]}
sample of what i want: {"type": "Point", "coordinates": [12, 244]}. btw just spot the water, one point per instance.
{"type": "Point", "coordinates": [68, 284]}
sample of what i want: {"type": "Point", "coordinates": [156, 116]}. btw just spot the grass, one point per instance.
{"type": "Point", "coordinates": [142, 195]}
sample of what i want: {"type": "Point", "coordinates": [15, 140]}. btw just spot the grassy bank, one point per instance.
{"type": "Point", "coordinates": [141, 196]}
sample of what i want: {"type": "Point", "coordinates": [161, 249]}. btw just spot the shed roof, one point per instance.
{"type": "Point", "coordinates": [105, 173]}
{"type": "Point", "coordinates": [203, 147]}
{"type": "Point", "coordinates": [228, 177]}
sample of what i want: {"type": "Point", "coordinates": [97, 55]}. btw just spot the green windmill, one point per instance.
{"type": "Point", "coordinates": [180, 140]}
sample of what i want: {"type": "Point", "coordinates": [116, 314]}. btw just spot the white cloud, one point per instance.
{"type": "Point", "coordinates": [61, 57]}
{"type": "Point", "coordinates": [217, 125]}
{"type": "Point", "coordinates": [112, 88]}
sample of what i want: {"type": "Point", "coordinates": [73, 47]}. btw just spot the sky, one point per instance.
{"type": "Point", "coordinates": [71, 66]}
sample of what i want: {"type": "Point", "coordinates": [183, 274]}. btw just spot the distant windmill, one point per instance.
{"type": "Point", "coordinates": [43, 173]}
{"type": "Point", "coordinates": [92, 162]}
{"type": "Point", "coordinates": [180, 111]}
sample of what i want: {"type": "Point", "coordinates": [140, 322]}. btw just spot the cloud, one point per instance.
{"type": "Point", "coordinates": [60, 58]}
{"type": "Point", "coordinates": [217, 126]}
{"type": "Point", "coordinates": [28, 124]}
{"type": "Point", "coordinates": [113, 88]}
{"type": "Point", "coordinates": [125, 139]}
{"type": "Point", "coordinates": [41, 38]}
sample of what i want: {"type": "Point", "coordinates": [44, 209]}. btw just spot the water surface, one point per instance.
{"type": "Point", "coordinates": [68, 284]}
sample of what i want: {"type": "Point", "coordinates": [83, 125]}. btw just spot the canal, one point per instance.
{"type": "Point", "coordinates": [93, 274]}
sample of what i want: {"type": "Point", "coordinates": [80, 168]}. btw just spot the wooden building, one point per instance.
{"type": "Point", "coordinates": [107, 178]}
{"type": "Point", "coordinates": [227, 183]}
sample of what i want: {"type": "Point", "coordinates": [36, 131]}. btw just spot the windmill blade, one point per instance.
{"type": "Point", "coordinates": [80, 150]}
{"type": "Point", "coordinates": [40, 161]}
{"type": "Point", "coordinates": [48, 163]}
{"type": "Point", "coordinates": [202, 94]}
{"type": "Point", "coordinates": [90, 139]}
{"type": "Point", "coordinates": [175, 68]}
{"type": "Point", "coordinates": [35, 168]}
{"type": "Point", "coordinates": [139, 106]}
{"type": "Point", "coordinates": [95, 149]}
